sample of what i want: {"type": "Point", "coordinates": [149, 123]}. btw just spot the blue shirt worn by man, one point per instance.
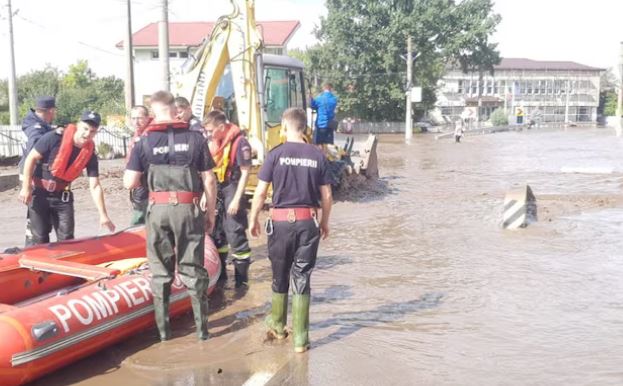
{"type": "Point", "coordinates": [325, 105]}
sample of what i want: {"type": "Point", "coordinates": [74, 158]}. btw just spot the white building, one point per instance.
{"type": "Point", "coordinates": [184, 38]}
{"type": "Point", "coordinates": [543, 91]}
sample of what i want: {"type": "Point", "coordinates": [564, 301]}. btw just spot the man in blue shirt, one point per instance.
{"type": "Point", "coordinates": [324, 105]}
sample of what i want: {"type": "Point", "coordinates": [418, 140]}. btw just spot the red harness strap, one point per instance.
{"type": "Point", "coordinates": [174, 198]}
{"type": "Point", "coordinates": [292, 214]}
{"type": "Point", "coordinates": [60, 168]}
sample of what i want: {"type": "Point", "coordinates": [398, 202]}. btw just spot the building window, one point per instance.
{"type": "Point", "coordinates": [183, 54]}
{"type": "Point", "coordinates": [154, 54]}
{"type": "Point", "coordinates": [460, 89]}
{"type": "Point", "coordinates": [496, 88]}
{"type": "Point", "coordinates": [490, 86]}
{"type": "Point", "coordinates": [474, 85]}
{"type": "Point", "coordinates": [542, 86]}
{"type": "Point", "coordinates": [172, 54]}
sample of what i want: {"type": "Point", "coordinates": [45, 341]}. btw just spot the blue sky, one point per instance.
{"type": "Point", "coordinates": [60, 32]}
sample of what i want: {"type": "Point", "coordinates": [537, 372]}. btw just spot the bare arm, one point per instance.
{"type": "Point", "coordinates": [25, 194]}
{"type": "Point", "coordinates": [234, 206]}
{"type": "Point", "coordinates": [209, 189]}
{"type": "Point", "coordinates": [326, 201]}
{"type": "Point", "coordinates": [259, 198]}
{"type": "Point", "coordinates": [97, 194]}
{"type": "Point", "coordinates": [132, 179]}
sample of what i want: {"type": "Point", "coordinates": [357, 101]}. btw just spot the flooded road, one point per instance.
{"type": "Point", "coordinates": [420, 285]}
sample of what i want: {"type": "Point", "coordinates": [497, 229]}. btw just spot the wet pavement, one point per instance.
{"type": "Point", "coordinates": [418, 283]}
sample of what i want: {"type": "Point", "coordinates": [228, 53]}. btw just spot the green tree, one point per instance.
{"type": "Point", "coordinates": [608, 94]}
{"type": "Point", "coordinates": [76, 90]}
{"type": "Point", "coordinates": [363, 42]}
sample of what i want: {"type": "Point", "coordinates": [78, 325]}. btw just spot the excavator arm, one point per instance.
{"type": "Point", "coordinates": [236, 41]}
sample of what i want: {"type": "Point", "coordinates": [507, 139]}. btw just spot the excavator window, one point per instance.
{"type": "Point", "coordinates": [283, 89]}
{"type": "Point", "coordinates": [277, 94]}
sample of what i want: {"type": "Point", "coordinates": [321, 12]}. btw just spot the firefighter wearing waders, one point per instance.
{"type": "Point", "coordinates": [232, 154]}
{"type": "Point", "coordinates": [51, 166]}
{"type": "Point", "coordinates": [301, 182]}
{"type": "Point", "coordinates": [139, 119]}
{"type": "Point", "coordinates": [34, 125]}
{"type": "Point", "coordinates": [179, 171]}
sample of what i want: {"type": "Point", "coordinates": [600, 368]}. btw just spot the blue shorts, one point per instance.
{"type": "Point", "coordinates": [323, 135]}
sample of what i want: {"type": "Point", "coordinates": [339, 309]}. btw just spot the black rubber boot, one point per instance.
{"type": "Point", "coordinates": [200, 312]}
{"type": "Point", "coordinates": [161, 314]}
{"type": "Point", "coordinates": [223, 257]}
{"type": "Point", "coordinates": [241, 272]}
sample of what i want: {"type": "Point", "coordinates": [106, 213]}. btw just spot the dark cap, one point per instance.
{"type": "Point", "coordinates": [91, 117]}
{"type": "Point", "coordinates": [45, 102]}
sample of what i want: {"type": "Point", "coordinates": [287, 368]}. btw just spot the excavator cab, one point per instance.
{"type": "Point", "coordinates": [284, 87]}
{"type": "Point", "coordinates": [230, 72]}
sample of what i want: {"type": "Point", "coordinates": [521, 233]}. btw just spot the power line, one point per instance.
{"type": "Point", "coordinates": [77, 41]}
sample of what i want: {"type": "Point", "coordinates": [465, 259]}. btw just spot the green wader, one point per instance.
{"type": "Point", "coordinates": [176, 227]}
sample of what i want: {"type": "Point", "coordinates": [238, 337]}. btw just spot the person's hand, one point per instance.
{"type": "Point", "coordinates": [105, 222]}
{"type": "Point", "coordinates": [203, 203]}
{"type": "Point", "coordinates": [234, 207]}
{"type": "Point", "coordinates": [324, 231]}
{"type": "Point", "coordinates": [255, 230]}
{"type": "Point", "coordinates": [25, 195]}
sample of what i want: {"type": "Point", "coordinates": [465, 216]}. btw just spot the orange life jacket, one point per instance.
{"type": "Point", "coordinates": [61, 168]}
{"type": "Point", "coordinates": [224, 153]}
{"type": "Point", "coordinates": [163, 126]}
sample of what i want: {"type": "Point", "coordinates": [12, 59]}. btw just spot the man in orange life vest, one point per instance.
{"type": "Point", "coordinates": [232, 155]}
{"type": "Point", "coordinates": [47, 192]}
{"type": "Point", "coordinates": [179, 171]}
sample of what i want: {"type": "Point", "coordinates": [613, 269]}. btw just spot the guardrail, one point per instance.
{"type": "Point", "coordinates": [13, 141]}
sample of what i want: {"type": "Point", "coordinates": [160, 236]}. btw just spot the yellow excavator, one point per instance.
{"type": "Point", "coordinates": [229, 72]}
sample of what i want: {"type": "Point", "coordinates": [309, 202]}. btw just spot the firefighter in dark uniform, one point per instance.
{"type": "Point", "coordinates": [139, 118]}
{"type": "Point", "coordinates": [179, 172]}
{"type": "Point", "coordinates": [34, 125]}
{"type": "Point", "coordinates": [232, 154]}
{"type": "Point", "coordinates": [301, 182]}
{"type": "Point", "coordinates": [51, 166]}
{"type": "Point", "coordinates": [185, 113]}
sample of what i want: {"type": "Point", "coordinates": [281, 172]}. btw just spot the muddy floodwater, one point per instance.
{"type": "Point", "coordinates": [418, 283]}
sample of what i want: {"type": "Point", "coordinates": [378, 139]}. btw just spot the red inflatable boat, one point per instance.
{"type": "Point", "coordinates": [98, 298]}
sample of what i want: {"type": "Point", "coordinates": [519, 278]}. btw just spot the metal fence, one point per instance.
{"type": "Point", "coordinates": [373, 127]}
{"type": "Point", "coordinates": [13, 141]}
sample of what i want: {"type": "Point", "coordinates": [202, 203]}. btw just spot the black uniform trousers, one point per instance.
{"type": "Point", "coordinates": [292, 250]}
{"type": "Point", "coordinates": [229, 229]}
{"type": "Point", "coordinates": [50, 210]}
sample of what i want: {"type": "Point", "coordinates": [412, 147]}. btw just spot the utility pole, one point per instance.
{"type": "Point", "coordinates": [12, 82]}
{"type": "Point", "coordinates": [129, 73]}
{"type": "Point", "coordinates": [408, 121]}
{"type": "Point", "coordinates": [619, 110]}
{"type": "Point", "coordinates": [163, 44]}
